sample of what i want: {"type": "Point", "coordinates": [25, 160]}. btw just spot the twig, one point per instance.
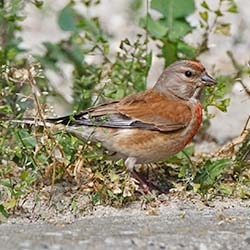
{"type": "Point", "coordinates": [245, 126]}
{"type": "Point", "coordinates": [245, 87]}
{"type": "Point", "coordinates": [32, 83]}
{"type": "Point", "coordinates": [204, 44]}
{"type": "Point", "coordinates": [239, 72]}
{"type": "Point", "coordinates": [229, 148]}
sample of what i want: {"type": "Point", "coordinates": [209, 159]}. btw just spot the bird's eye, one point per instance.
{"type": "Point", "coordinates": [188, 73]}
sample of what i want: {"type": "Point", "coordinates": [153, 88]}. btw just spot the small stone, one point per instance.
{"type": "Point", "coordinates": [247, 240]}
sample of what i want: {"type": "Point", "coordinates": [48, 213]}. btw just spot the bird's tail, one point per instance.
{"type": "Point", "coordinates": [67, 120]}
{"type": "Point", "coordinates": [28, 121]}
{"type": "Point", "coordinates": [84, 133]}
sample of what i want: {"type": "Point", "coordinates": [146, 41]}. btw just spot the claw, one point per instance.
{"type": "Point", "coordinates": [146, 184]}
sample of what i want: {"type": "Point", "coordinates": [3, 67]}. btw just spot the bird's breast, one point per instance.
{"type": "Point", "coordinates": [198, 110]}
{"type": "Point", "coordinates": [195, 123]}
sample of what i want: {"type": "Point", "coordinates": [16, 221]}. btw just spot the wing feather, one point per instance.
{"type": "Point", "coordinates": [147, 110]}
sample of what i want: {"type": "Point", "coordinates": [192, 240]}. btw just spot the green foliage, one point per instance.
{"type": "Point", "coordinates": [208, 176]}
{"type": "Point", "coordinates": [171, 28]}
{"type": "Point", "coordinates": [129, 71]}
{"type": "Point", "coordinates": [211, 21]}
{"type": "Point", "coordinates": [74, 51]}
{"type": "Point", "coordinates": [214, 96]}
{"type": "Point", "coordinates": [242, 159]}
{"type": "Point", "coordinates": [125, 75]}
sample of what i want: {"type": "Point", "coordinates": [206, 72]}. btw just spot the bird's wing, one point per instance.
{"type": "Point", "coordinates": [147, 110]}
{"type": "Point", "coordinates": [155, 109]}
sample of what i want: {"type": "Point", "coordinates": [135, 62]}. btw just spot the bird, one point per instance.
{"type": "Point", "coordinates": [148, 126]}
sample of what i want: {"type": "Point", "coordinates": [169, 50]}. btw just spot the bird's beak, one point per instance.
{"type": "Point", "coordinates": [208, 80]}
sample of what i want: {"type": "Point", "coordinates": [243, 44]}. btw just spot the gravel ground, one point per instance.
{"type": "Point", "coordinates": [175, 225]}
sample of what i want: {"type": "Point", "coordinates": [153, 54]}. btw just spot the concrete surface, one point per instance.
{"type": "Point", "coordinates": [186, 227]}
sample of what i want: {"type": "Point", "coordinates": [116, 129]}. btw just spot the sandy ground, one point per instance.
{"type": "Point", "coordinates": [174, 225]}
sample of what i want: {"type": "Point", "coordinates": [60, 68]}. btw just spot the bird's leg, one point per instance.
{"type": "Point", "coordinates": [147, 173]}
{"type": "Point", "coordinates": [145, 184]}
{"type": "Point", "coordinates": [130, 164]}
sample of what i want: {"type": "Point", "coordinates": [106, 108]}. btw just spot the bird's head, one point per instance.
{"type": "Point", "coordinates": [184, 79]}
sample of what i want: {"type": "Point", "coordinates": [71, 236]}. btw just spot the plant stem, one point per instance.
{"type": "Point", "coordinates": [1, 4]}
{"type": "Point", "coordinates": [3, 26]}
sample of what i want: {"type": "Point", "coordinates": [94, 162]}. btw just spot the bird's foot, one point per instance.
{"type": "Point", "coordinates": [146, 184]}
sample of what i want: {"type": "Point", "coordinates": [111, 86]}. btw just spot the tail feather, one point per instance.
{"type": "Point", "coordinates": [83, 132]}
{"type": "Point", "coordinates": [69, 120]}
{"type": "Point", "coordinates": [64, 120]}
{"type": "Point", "coordinates": [29, 121]}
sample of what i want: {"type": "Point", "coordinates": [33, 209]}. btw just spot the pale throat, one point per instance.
{"type": "Point", "coordinates": [197, 93]}
{"type": "Point", "coordinates": [185, 93]}
{"type": "Point", "coordinates": [180, 90]}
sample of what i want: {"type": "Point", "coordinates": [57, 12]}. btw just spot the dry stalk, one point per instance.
{"type": "Point", "coordinates": [41, 117]}
{"type": "Point", "coordinates": [230, 148]}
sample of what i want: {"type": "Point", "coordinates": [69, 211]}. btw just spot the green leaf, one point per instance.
{"type": "Point", "coordinates": [187, 50]}
{"type": "Point", "coordinates": [12, 53]}
{"type": "Point", "coordinates": [10, 203]}
{"type": "Point", "coordinates": [204, 15]}
{"type": "Point", "coordinates": [169, 53]}
{"type": "Point", "coordinates": [210, 173]}
{"type": "Point", "coordinates": [223, 105]}
{"type": "Point", "coordinates": [5, 109]}
{"type": "Point", "coordinates": [188, 150]}
{"type": "Point", "coordinates": [27, 139]}
{"type": "Point", "coordinates": [24, 175]}
{"type": "Point", "coordinates": [205, 5]}
{"type": "Point", "coordinates": [67, 19]}
{"type": "Point", "coordinates": [6, 183]}
{"type": "Point", "coordinates": [218, 12]}
{"type": "Point", "coordinates": [172, 9]}
{"type": "Point", "coordinates": [3, 211]}
{"type": "Point", "coordinates": [76, 55]}
{"type": "Point", "coordinates": [196, 187]}
{"type": "Point", "coordinates": [92, 26]}
{"type": "Point", "coordinates": [114, 177]}
{"type": "Point", "coordinates": [227, 189]}
{"type": "Point", "coordinates": [136, 5]}
{"type": "Point", "coordinates": [179, 30]}
{"type": "Point", "coordinates": [233, 8]}
{"type": "Point", "coordinates": [38, 3]}
{"type": "Point", "coordinates": [223, 29]}
{"type": "Point", "coordinates": [155, 28]}
{"type": "Point", "coordinates": [120, 93]}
